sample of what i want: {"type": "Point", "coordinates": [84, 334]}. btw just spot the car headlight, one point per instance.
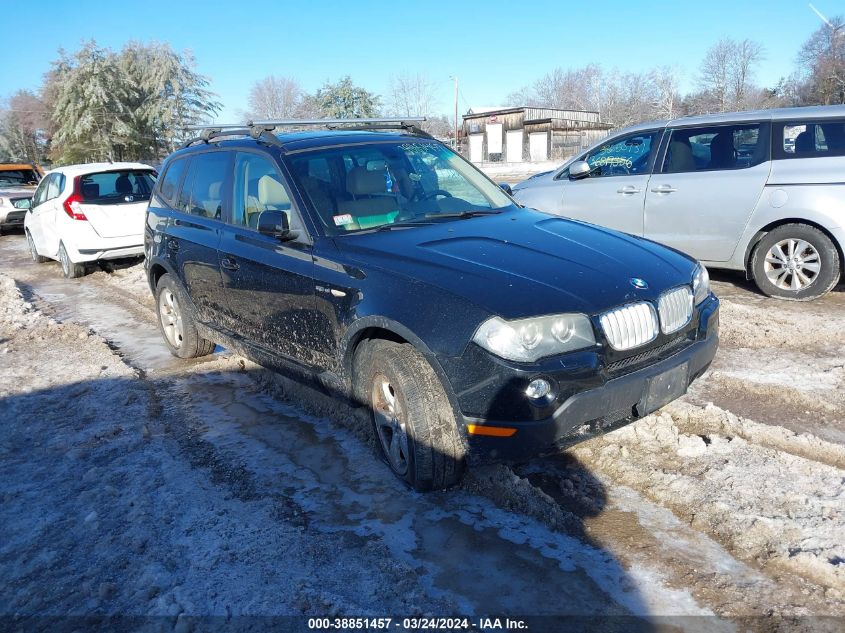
{"type": "Point", "coordinates": [2, 201]}
{"type": "Point", "coordinates": [700, 284]}
{"type": "Point", "coordinates": [530, 339]}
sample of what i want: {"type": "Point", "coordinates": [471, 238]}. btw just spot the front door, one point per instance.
{"type": "Point", "coordinates": [269, 284]}
{"type": "Point", "coordinates": [701, 197]}
{"type": "Point", "coordinates": [45, 206]}
{"type": "Point", "coordinates": [614, 193]}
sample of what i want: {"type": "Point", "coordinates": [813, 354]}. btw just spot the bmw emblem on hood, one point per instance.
{"type": "Point", "coordinates": [639, 284]}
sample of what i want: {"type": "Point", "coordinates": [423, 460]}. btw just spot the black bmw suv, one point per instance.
{"type": "Point", "coordinates": [383, 266]}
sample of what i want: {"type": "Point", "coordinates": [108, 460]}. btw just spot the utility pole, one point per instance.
{"type": "Point", "coordinates": [456, 112]}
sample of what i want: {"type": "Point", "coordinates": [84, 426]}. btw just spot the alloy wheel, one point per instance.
{"type": "Point", "coordinates": [390, 423]}
{"type": "Point", "coordinates": [171, 318]}
{"type": "Point", "coordinates": [792, 264]}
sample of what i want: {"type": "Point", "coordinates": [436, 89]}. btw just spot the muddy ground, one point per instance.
{"type": "Point", "coordinates": [135, 483]}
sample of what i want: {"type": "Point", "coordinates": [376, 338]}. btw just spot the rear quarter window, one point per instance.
{"type": "Point", "coordinates": [809, 139]}
{"type": "Point", "coordinates": [172, 177]}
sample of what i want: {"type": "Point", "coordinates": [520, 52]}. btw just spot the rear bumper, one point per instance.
{"type": "Point", "coordinates": [596, 410]}
{"type": "Point", "coordinates": [107, 248]}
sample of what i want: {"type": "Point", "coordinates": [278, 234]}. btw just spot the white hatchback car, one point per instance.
{"type": "Point", "coordinates": [85, 213]}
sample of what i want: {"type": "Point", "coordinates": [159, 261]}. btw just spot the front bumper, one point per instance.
{"type": "Point", "coordinates": [592, 400]}
{"type": "Point", "coordinates": [12, 218]}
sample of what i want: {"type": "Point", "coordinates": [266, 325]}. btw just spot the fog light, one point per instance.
{"type": "Point", "coordinates": [538, 389]}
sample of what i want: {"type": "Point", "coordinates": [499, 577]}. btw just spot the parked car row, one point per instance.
{"type": "Point", "coordinates": [761, 192]}
{"type": "Point", "coordinates": [379, 264]}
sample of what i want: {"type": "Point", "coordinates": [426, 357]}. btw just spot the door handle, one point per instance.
{"type": "Point", "coordinates": [629, 189]}
{"type": "Point", "coordinates": [664, 189]}
{"type": "Point", "coordinates": [172, 245]}
{"type": "Point", "coordinates": [230, 264]}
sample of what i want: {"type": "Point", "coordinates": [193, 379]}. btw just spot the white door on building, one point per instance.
{"type": "Point", "coordinates": [514, 146]}
{"type": "Point", "coordinates": [476, 145]}
{"type": "Point", "coordinates": [538, 145]}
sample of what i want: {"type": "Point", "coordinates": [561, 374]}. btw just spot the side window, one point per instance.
{"type": "Point", "coordinates": [809, 139]}
{"type": "Point", "coordinates": [172, 177]}
{"type": "Point", "coordinates": [53, 187]}
{"type": "Point", "coordinates": [41, 192]}
{"type": "Point", "coordinates": [623, 156]}
{"type": "Point", "coordinates": [203, 187]}
{"type": "Point", "coordinates": [715, 148]}
{"type": "Point", "coordinates": [259, 187]}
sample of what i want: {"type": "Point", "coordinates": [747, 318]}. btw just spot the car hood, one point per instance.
{"type": "Point", "coordinates": [16, 192]}
{"type": "Point", "coordinates": [524, 263]}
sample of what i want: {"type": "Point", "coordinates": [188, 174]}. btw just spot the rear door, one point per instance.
{"type": "Point", "coordinates": [115, 201]}
{"type": "Point", "coordinates": [613, 195]}
{"type": "Point", "coordinates": [701, 197]}
{"type": "Point", "coordinates": [269, 284]}
{"type": "Point", "coordinates": [193, 235]}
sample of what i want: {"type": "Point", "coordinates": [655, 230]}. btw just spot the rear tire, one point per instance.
{"type": "Point", "coordinates": [33, 252]}
{"type": "Point", "coordinates": [177, 322]}
{"type": "Point", "coordinates": [413, 422]}
{"type": "Point", "coordinates": [70, 270]}
{"type": "Point", "coordinates": [797, 262]}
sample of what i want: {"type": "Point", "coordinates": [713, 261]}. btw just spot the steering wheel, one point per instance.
{"type": "Point", "coordinates": [435, 193]}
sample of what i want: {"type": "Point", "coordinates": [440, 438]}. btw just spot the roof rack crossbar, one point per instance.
{"type": "Point", "coordinates": [260, 130]}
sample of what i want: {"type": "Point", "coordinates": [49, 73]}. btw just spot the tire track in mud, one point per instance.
{"type": "Point", "coordinates": [563, 498]}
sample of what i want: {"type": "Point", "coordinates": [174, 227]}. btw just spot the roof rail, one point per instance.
{"type": "Point", "coordinates": [262, 129]}
{"type": "Point", "coordinates": [213, 131]}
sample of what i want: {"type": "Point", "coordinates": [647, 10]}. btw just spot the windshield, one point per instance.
{"type": "Point", "coordinates": [117, 187]}
{"type": "Point", "coordinates": [368, 186]}
{"type": "Point", "coordinates": [20, 177]}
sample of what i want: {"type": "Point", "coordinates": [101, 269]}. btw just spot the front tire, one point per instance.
{"type": "Point", "coordinates": [69, 269]}
{"type": "Point", "coordinates": [177, 323]}
{"type": "Point", "coordinates": [796, 262]}
{"type": "Point", "coordinates": [33, 252]}
{"type": "Point", "coordinates": [413, 422]}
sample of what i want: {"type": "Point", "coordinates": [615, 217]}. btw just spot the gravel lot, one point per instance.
{"type": "Point", "coordinates": [135, 483]}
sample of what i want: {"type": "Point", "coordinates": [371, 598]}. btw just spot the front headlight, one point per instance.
{"type": "Point", "coordinates": [2, 201]}
{"type": "Point", "coordinates": [530, 339]}
{"type": "Point", "coordinates": [700, 284]}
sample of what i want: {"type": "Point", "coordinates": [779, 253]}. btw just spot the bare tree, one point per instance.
{"type": "Point", "coordinates": [275, 98]}
{"type": "Point", "coordinates": [726, 76]}
{"type": "Point", "coordinates": [412, 94]}
{"type": "Point", "coordinates": [667, 93]}
{"type": "Point", "coordinates": [822, 60]}
{"type": "Point", "coordinates": [746, 56]}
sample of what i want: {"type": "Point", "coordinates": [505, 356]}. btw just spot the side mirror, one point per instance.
{"type": "Point", "coordinates": [506, 188]}
{"type": "Point", "coordinates": [275, 224]}
{"type": "Point", "coordinates": [579, 169]}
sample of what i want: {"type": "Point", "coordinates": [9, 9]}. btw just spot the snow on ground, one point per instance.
{"type": "Point", "coordinates": [215, 486]}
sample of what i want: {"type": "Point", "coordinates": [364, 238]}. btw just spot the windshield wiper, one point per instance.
{"type": "Point", "coordinates": [399, 225]}
{"type": "Point", "coordinates": [463, 214]}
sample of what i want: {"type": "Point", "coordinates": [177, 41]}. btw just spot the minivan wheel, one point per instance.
{"type": "Point", "coordinates": [33, 252]}
{"type": "Point", "coordinates": [795, 261]}
{"type": "Point", "coordinates": [413, 422]}
{"type": "Point", "coordinates": [70, 270]}
{"type": "Point", "coordinates": [176, 322]}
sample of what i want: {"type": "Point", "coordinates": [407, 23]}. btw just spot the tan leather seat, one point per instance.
{"type": "Point", "coordinates": [369, 195]}
{"type": "Point", "coordinates": [272, 196]}
{"type": "Point", "coordinates": [680, 157]}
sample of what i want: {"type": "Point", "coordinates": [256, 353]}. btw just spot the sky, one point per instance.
{"type": "Point", "coordinates": [493, 47]}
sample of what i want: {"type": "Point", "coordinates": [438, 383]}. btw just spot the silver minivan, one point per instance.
{"type": "Point", "coordinates": [762, 192]}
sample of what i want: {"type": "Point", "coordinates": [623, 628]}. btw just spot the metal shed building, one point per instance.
{"type": "Point", "coordinates": [517, 134]}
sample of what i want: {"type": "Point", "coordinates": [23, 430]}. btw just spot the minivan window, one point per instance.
{"type": "Point", "coordinates": [258, 188]}
{"type": "Point", "coordinates": [170, 182]}
{"type": "Point", "coordinates": [623, 156]}
{"type": "Point", "coordinates": [202, 190]}
{"type": "Point", "coordinates": [808, 139]}
{"type": "Point", "coordinates": [714, 148]}
{"type": "Point", "coordinates": [126, 186]}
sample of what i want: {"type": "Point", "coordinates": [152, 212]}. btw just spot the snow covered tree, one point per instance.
{"type": "Point", "coordinates": [344, 100]}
